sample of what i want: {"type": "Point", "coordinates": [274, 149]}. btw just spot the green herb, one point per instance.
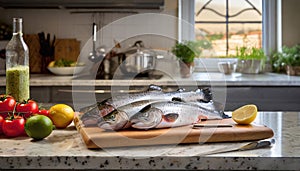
{"type": "Point", "coordinates": [245, 53]}
{"type": "Point", "coordinates": [288, 56]}
{"type": "Point", "coordinates": [186, 51]}
{"type": "Point", "coordinates": [63, 63]}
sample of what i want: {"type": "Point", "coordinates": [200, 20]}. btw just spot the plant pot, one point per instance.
{"type": "Point", "coordinates": [293, 70]}
{"type": "Point", "coordinates": [250, 66]}
{"type": "Point", "coordinates": [186, 69]}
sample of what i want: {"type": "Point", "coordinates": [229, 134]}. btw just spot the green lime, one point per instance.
{"type": "Point", "coordinates": [38, 127]}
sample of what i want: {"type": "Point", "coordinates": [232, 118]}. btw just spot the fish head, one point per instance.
{"type": "Point", "coordinates": [105, 109]}
{"type": "Point", "coordinates": [148, 117]}
{"type": "Point", "coordinates": [90, 117]}
{"type": "Point", "coordinates": [115, 120]}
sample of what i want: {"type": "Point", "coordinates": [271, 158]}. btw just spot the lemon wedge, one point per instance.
{"type": "Point", "coordinates": [245, 114]}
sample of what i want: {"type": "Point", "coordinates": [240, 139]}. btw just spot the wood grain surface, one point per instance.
{"type": "Point", "coordinates": [68, 49]}
{"type": "Point", "coordinates": [35, 58]}
{"type": "Point", "coordinates": [95, 137]}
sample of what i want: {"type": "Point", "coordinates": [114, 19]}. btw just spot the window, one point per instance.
{"type": "Point", "coordinates": [246, 25]}
{"type": "Point", "coordinates": [227, 25]}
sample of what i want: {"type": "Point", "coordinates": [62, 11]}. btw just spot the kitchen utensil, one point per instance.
{"type": "Point", "coordinates": [97, 54]}
{"type": "Point", "coordinates": [95, 137]}
{"type": "Point", "coordinates": [250, 146]}
{"type": "Point", "coordinates": [138, 59]}
{"type": "Point", "coordinates": [92, 57]}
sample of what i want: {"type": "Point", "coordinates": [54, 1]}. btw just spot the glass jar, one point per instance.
{"type": "Point", "coordinates": [17, 64]}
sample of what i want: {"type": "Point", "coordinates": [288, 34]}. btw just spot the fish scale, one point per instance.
{"type": "Point", "coordinates": [187, 114]}
{"type": "Point", "coordinates": [94, 112]}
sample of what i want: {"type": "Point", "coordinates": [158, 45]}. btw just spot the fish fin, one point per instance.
{"type": "Point", "coordinates": [225, 116]}
{"type": "Point", "coordinates": [153, 87]}
{"type": "Point", "coordinates": [177, 99]}
{"type": "Point", "coordinates": [181, 90]}
{"type": "Point", "coordinates": [207, 94]}
{"type": "Point", "coordinates": [146, 108]}
{"type": "Point", "coordinates": [171, 117]}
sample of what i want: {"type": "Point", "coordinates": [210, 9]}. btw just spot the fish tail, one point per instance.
{"type": "Point", "coordinates": [207, 94]}
{"type": "Point", "coordinates": [225, 116]}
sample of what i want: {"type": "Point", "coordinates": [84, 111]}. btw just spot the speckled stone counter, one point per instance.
{"type": "Point", "coordinates": [198, 78]}
{"type": "Point", "coordinates": [64, 149]}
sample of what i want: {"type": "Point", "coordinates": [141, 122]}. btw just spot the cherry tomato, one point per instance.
{"type": "Point", "coordinates": [27, 108]}
{"type": "Point", "coordinates": [14, 127]}
{"type": "Point", "coordinates": [44, 112]}
{"type": "Point", "coordinates": [1, 123]}
{"type": "Point", "coordinates": [7, 105]}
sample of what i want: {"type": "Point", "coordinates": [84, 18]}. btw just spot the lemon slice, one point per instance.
{"type": "Point", "coordinates": [245, 114]}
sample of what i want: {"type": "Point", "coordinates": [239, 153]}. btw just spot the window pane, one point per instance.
{"type": "Point", "coordinates": [249, 14]}
{"type": "Point", "coordinates": [244, 25]}
{"type": "Point", "coordinates": [216, 38]}
{"type": "Point", "coordinates": [208, 15]}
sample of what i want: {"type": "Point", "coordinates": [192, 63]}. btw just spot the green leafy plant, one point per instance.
{"type": "Point", "coordinates": [186, 51]}
{"type": "Point", "coordinates": [251, 60]}
{"type": "Point", "coordinates": [289, 56]}
{"type": "Point", "coordinates": [245, 53]}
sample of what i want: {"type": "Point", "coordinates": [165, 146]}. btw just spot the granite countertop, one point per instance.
{"type": "Point", "coordinates": [198, 78]}
{"type": "Point", "coordinates": [64, 149]}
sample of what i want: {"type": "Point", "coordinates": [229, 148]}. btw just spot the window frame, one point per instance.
{"type": "Point", "coordinates": [271, 10]}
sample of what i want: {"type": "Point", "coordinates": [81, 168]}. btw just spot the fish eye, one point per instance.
{"type": "Point", "coordinates": [110, 117]}
{"type": "Point", "coordinates": [145, 115]}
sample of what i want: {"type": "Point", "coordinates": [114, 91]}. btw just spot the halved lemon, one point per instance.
{"type": "Point", "coordinates": [245, 114]}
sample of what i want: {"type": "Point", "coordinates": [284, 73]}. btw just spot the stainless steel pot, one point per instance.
{"type": "Point", "coordinates": [138, 59]}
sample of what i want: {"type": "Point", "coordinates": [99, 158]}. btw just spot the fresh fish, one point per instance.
{"type": "Point", "coordinates": [171, 114]}
{"type": "Point", "coordinates": [119, 118]}
{"type": "Point", "coordinates": [91, 116]}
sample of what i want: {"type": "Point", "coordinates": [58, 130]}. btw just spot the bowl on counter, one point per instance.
{"type": "Point", "coordinates": [66, 70]}
{"type": "Point", "coordinates": [226, 67]}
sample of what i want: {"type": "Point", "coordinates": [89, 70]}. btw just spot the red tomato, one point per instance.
{"type": "Point", "coordinates": [43, 112]}
{"type": "Point", "coordinates": [13, 127]}
{"type": "Point", "coordinates": [27, 108]}
{"type": "Point", "coordinates": [7, 104]}
{"type": "Point", "coordinates": [1, 123]}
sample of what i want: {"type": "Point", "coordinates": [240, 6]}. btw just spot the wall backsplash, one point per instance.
{"type": "Point", "coordinates": [64, 24]}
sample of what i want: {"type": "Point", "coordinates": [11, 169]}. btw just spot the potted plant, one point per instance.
{"type": "Point", "coordinates": [250, 60]}
{"type": "Point", "coordinates": [287, 61]}
{"type": "Point", "coordinates": [186, 52]}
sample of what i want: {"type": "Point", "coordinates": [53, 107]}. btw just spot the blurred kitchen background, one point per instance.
{"type": "Point", "coordinates": [72, 25]}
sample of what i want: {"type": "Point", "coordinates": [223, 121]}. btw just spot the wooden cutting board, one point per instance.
{"type": "Point", "coordinates": [35, 58]}
{"type": "Point", "coordinates": [95, 137]}
{"type": "Point", "coordinates": [68, 49]}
